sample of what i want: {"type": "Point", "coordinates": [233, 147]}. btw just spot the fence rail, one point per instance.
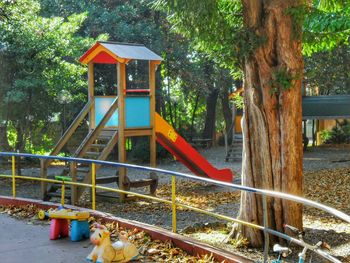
{"type": "Point", "coordinates": [173, 203]}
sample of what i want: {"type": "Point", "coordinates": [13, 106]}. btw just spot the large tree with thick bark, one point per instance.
{"type": "Point", "coordinates": [262, 38]}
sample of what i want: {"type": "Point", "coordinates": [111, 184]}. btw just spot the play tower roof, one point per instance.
{"type": "Point", "coordinates": [113, 52]}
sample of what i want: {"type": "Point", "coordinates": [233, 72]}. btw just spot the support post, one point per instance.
{"type": "Point", "coordinates": [93, 188]}
{"type": "Point", "coordinates": [91, 94]}
{"type": "Point", "coordinates": [13, 176]}
{"type": "Point", "coordinates": [121, 126]}
{"type": "Point", "coordinates": [234, 111]}
{"type": "Point", "coordinates": [43, 174]}
{"type": "Point", "coordinates": [153, 143]}
{"type": "Point", "coordinates": [74, 190]}
{"type": "Point", "coordinates": [173, 203]}
{"type": "Point", "coordinates": [63, 187]}
{"type": "Point", "coordinates": [266, 225]}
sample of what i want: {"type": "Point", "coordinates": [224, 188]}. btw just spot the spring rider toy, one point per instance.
{"type": "Point", "coordinates": [106, 252]}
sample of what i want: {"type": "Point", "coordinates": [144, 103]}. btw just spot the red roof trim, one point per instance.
{"type": "Point", "coordinates": [89, 51]}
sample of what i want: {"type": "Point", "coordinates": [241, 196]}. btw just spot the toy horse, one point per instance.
{"type": "Point", "coordinates": [105, 252]}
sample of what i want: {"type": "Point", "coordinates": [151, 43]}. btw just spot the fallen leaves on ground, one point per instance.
{"type": "Point", "coordinates": [26, 211]}
{"type": "Point", "coordinates": [196, 194]}
{"type": "Point", "coordinates": [199, 195]}
{"type": "Point", "coordinates": [330, 187]}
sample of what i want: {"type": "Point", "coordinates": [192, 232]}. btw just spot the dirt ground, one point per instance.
{"type": "Point", "coordinates": [326, 179]}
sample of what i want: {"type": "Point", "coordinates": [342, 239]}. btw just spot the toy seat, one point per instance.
{"type": "Point", "coordinates": [79, 230]}
{"type": "Point", "coordinates": [59, 228]}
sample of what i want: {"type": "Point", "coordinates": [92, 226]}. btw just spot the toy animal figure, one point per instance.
{"type": "Point", "coordinates": [105, 252]}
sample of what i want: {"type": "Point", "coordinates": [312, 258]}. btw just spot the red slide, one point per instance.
{"type": "Point", "coordinates": [186, 154]}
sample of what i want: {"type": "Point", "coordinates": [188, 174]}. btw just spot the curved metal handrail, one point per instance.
{"type": "Point", "coordinates": [262, 192]}
{"type": "Point", "coordinates": [289, 197]}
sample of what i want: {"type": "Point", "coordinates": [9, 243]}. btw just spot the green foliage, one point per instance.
{"type": "Point", "coordinates": [328, 72]}
{"type": "Point", "coordinates": [281, 81]}
{"type": "Point", "coordinates": [11, 136]}
{"type": "Point", "coordinates": [238, 101]}
{"type": "Point", "coordinates": [339, 134]}
{"type": "Point", "coordinates": [140, 150]}
{"type": "Point", "coordinates": [212, 26]}
{"type": "Point", "coordinates": [39, 61]}
{"type": "Point", "coordinates": [326, 25]}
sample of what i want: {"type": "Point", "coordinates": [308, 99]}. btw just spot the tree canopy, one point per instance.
{"type": "Point", "coordinates": [41, 41]}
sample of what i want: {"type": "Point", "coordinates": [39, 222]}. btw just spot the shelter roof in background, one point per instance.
{"type": "Point", "coordinates": [113, 52]}
{"type": "Point", "coordinates": [326, 107]}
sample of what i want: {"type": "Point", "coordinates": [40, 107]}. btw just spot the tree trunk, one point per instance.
{"type": "Point", "coordinates": [209, 127]}
{"type": "Point", "coordinates": [196, 102]}
{"type": "Point", "coordinates": [227, 112]}
{"type": "Point", "coordinates": [4, 144]}
{"type": "Point", "coordinates": [272, 157]}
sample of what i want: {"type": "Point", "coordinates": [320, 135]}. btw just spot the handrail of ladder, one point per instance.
{"type": "Point", "coordinates": [71, 129]}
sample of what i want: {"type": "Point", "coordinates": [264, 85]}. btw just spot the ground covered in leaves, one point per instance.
{"type": "Point", "coordinates": [326, 180]}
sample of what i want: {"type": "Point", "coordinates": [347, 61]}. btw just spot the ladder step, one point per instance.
{"type": "Point", "coordinates": [106, 179]}
{"type": "Point", "coordinates": [83, 170]}
{"type": "Point", "coordinates": [56, 194]}
{"type": "Point", "coordinates": [97, 145]}
{"type": "Point", "coordinates": [141, 183]}
{"type": "Point", "coordinates": [102, 137]}
{"type": "Point", "coordinates": [92, 153]}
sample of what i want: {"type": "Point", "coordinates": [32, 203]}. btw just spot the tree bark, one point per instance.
{"type": "Point", "coordinates": [272, 151]}
{"type": "Point", "coordinates": [4, 144]}
{"type": "Point", "coordinates": [227, 111]}
{"type": "Point", "coordinates": [196, 102]}
{"type": "Point", "coordinates": [209, 127]}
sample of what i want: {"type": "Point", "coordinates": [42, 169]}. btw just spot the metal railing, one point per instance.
{"type": "Point", "coordinates": [173, 203]}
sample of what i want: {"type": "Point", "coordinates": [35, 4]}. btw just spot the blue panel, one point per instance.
{"type": "Point", "coordinates": [137, 112]}
{"type": "Point", "coordinates": [101, 107]}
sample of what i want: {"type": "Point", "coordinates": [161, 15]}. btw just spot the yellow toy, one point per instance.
{"type": "Point", "coordinates": [60, 220]}
{"type": "Point", "coordinates": [62, 213]}
{"type": "Point", "coordinates": [106, 252]}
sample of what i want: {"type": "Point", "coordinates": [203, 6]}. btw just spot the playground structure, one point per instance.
{"type": "Point", "coordinates": [113, 119]}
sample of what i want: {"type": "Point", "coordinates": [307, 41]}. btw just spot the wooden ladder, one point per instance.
{"type": "Point", "coordinates": [97, 145]}
{"type": "Point", "coordinates": [234, 153]}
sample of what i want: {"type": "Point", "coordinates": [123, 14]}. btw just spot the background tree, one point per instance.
{"type": "Point", "coordinates": [182, 77]}
{"type": "Point", "coordinates": [38, 63]}
{"type": "Point", "coordinates": [328, 72]}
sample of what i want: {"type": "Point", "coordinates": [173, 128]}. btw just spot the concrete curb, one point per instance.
{"type": "Point", "coordinates": [190, 245]}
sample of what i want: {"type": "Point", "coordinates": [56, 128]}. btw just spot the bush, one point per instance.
{"type": "Point", "coordinates": [140, 150]}
{"type": "Point", "coordinates": [339, 134]}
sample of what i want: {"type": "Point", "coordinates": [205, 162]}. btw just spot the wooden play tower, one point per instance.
{"type": "Point", "coordinates": [112, 119]}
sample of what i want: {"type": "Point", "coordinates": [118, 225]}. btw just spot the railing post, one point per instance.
{"type": "Point", "coordinates": [62, 193]}
{"type": "Point", "coordinates": [93, 188]}
{"type": "Point", "coordinates": [266, 225]}
{"type": "Point", "coordinates": [43, 174]}
{"type": "Point", "coordinates": [74, 190]}
{"type": "Point", "coordinates": [173, 201]}
{"type": "Point", "coordinates": [13, 176]}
